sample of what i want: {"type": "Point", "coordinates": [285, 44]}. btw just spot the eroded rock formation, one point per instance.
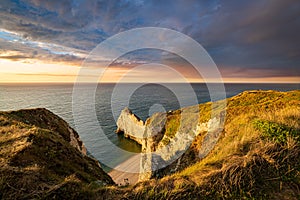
{"type": "Point", "coordinates": [161, 147]}
{"type": "Point", "coordinates": [132, 127]}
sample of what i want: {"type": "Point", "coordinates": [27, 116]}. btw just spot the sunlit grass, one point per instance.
{"type": "Point", "coordinates": [36, 161]}
{"type": "Point", "coordinates": [256, 157]}
{"type": "Point", "coordinates": [227, 170]}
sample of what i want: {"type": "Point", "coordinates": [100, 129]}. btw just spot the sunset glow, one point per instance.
{"type": "Point", "coordinates": [43, 49]}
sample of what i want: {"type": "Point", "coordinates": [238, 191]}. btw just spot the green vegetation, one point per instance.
{"type": "Point", "coordinates": [171, 126]}
{"type": "Point", "coordinates": [256, 157]}
{"type": "Point", "coordinates": [279, 133]}
{"type": "Point", "coordinates": [251, 159]}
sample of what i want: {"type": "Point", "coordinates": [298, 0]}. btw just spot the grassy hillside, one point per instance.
{"type": "Point", "coordinates": [37, 159]}
{"type": "Point", "coordinates": [256, 157]}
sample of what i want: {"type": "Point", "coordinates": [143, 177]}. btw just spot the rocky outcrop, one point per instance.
{"type": "Point", "coordinates": [164, 140]}
{"type": "Point", "coordinates": [45, 119]}
{"type": "Point", "coordinates": [147, 134]}
{"type": "Point", "coordinates": [41, 156]}
{"type": "Point", "coordinates": [132, 127]}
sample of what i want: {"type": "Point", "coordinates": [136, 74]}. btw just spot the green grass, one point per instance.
{"type": "Point", "coordinates": [278, 132]}
{"type": "Point", "coordinates": [256, 157]}
{"type": "Point", "coordinates": [171, 127]}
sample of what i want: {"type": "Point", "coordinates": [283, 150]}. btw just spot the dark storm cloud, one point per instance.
{"type": "Point", "coordinates": [241, 36]}
{"type": "Point", "coordinates": [260, 34]}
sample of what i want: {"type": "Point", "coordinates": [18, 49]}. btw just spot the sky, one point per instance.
{"type": "Point", "coordinates": [250, 41]}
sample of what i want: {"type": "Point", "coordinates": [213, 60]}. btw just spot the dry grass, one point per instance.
{"type": "Point", "coordinates": [36, 162]}
{"type": "Point", "coordinates": [245, 164]}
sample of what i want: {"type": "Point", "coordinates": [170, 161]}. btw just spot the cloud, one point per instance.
{"type": "Point", "coordinates": [254, 34]}
{"type": "Point", "coordinates": [260, 36]}
{"type": "Point", "coordinates": [27, 51]}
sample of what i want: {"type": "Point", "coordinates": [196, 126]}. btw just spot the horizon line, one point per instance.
{"type": "Point", "coordinates": [212, 82]}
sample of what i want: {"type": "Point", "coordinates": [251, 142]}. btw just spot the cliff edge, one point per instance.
{"type": "Point", "coordinates": [41, 156]}
{"type": "Point", "coordinates": [192, 136]}
{"type": "Point", "coordinates": [256, 155]}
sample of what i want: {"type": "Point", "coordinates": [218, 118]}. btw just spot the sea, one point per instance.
{"type": "Point", "coordinates": [109, 100]}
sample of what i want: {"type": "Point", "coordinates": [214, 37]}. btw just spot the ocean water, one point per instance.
{"type": "Point", "coordinates": [143, 101]}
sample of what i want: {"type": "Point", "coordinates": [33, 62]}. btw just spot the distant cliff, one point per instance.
{"type": "Point", "coordinates": [41, 156]}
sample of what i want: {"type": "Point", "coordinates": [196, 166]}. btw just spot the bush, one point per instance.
{"type": "Point", "coordinates": [277, 132]}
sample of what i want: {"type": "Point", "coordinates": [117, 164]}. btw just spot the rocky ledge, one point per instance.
{"type": "Point", "coordinates": [41, 156]}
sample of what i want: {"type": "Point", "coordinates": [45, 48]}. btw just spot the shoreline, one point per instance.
{"type": "Point", "coordinates": [124, 178]}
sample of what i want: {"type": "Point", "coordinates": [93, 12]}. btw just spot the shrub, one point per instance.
{"type": "Point", "coordinates": [277, 132]}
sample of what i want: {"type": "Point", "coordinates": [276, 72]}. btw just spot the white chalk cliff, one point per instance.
{"type": "Point", "coordinates": [156, 153]}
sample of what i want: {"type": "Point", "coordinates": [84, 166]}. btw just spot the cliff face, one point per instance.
{"type": "Point", "coordinates": [42, 156]}
{"type": "Point", "coordinates": [258, 148]}
{"type": "Point", "coordinates": [165, 137]}
{"type": "Point", "coordinates": [147, 134]}
{"type": "Point", "coordinates": [256, 156]}
{"type": "Point", "coordinates": [131, 126]}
